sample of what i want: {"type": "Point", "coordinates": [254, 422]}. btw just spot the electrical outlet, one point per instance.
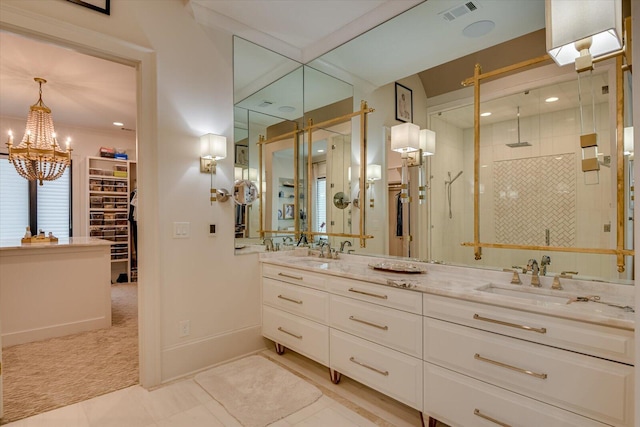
{"type": "Point", "coordinates": [212, 229]}
{"type": "Point", "coordinates": [185, 328]}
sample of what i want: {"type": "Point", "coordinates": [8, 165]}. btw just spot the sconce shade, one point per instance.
{"type": "Point", "coordinates": [251, 174]}
{"type": "Point", "coordinates": [405, 138]}
{"type": "Point", "coordinates": [237, 173]}
{"type": "Point", "coordinates": [215, 146]}
{"type": "Point", "coordinates": [427, 142]}
{"type": "Point", "coordinates": [568, 21]}
{"type": "Point", "coordinates": [374, 172]}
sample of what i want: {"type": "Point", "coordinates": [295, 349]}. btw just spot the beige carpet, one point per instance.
{"type": "Point", "coordinates": [256, 391]}
{"type": "Point", "coordinates": [45, 375]}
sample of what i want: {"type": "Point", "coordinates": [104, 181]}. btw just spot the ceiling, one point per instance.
{"type": "Point", "coordinates": [91, 92]}
{"type": "Point", "coordinates": [81, 90]}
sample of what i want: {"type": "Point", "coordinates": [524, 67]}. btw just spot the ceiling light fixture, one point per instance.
{"type": "Point", "coordinates": [39, 157]}
{"type": "Point", "coordinates": [118, 124]}
{"type": "Point", "coordinates": [551, 99]}
{"type": "Point", "coordinates": [487, 114]}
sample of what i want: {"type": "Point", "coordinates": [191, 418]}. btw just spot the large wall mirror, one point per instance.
{"type": "Point", "coordinates": [562, 207]}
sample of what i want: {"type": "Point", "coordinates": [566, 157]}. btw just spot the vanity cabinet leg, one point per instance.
{"type": "Point", "coordinates": [279, 348]}
{"type": "Point", "coordinates": [335, 376]}
{"type": "Point", "coordinates": [432, 422]}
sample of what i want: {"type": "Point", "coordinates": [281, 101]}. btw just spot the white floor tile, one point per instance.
{"type": "Point", "coordinates": [221, 414]}
{"type": "Point", "coordinates": [175, 398]}
{"type": "Point", "coordinates": [123, 408]}
{"type": "Point", "coordinates": [326, 417]}
{"type": "Point", "coordinates": [308, 411]}
{"type": "Point", "coordinates": [68, 416]}
{"type": "Point", "coordinates": [199, 416]}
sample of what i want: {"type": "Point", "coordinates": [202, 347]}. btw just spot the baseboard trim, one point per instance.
{"type": "Point", "coordinates": [189, 358]}
{"type": "Point", "coordinates": [60, 330]}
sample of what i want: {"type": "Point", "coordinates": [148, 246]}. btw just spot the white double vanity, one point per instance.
{"type": "Point", "coordinates": [461, 345]}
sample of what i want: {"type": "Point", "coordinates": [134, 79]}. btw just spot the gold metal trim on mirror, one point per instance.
{"type": "Point", "coordinates": [478, 76]}
{"type": "Point", "coordinates": [362, 113]}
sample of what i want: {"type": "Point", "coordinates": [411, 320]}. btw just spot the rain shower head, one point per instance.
{"type": "Point", "coordinates": [518, 144]}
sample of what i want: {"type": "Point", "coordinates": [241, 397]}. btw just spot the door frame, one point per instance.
{"type": "Point", "coordinates": [143, 60]}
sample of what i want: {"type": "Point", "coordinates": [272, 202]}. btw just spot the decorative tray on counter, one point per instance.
{"type": "Point", "coordinates": [398, 267]}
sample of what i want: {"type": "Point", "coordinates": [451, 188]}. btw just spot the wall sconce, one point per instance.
{"type": "Point", "coordinates": [215, 148]}
{"type": "Point", "coordinates": [251, 174]}
{"type": "Point", "coordinates": [580, 31]}
{"type": "Point", "coordinates": [427, 148]}
{"type": "Point", "coordinates": [374, 173]}
{"type": "Point", "coordinates": [405, 139]}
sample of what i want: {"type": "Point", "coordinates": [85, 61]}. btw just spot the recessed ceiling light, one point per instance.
{"type": "Point", "coordinates": [287, 109]}
{"type": "Point", "coordinates": [479, 29]}
{"type": "Point", "coordinates": [551, 99]}
{"type": "Point", "coordinates": [487, 114]}
{"type": "Point", "coordinates": [118, 124]}
{"type": "Point", "coordinates": [320, 151]}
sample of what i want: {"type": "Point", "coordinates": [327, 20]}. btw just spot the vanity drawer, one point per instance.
{"type": "Point", "coordinates": [596, 340]}
{"type": "Point", "coordinates": [295, 276]}
{"type": "Point", "coordinates": [387, 296]}
{"type": "Point", "coordinates": [309, 303]}
{"type": "Point", "coordinates": [390, 372]}
{"type": "Point", "coordinates": [308, 338]}
{"type": "Point", "coordinates": [476, 399]}
{"type": "Point", "coordinates": [589, 386]}
{"type": "Point", "coordinates": [397, 329]}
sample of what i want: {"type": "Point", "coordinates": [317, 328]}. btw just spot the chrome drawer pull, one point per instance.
{"type": "Point", "coordinates": [512, 325]}
{"type": "Point", "coordinates": [364, 365]}
{"type": "Point", "coordinates": [488, 418]}
{"type": "Point", "coordinates": [297, 301]}
{"type": "Point", "coordinates": [513, 368]}
{"type": "Point", "coordinates": [368, 293]}
{"type": "Point", "coordinates": [384, 328]}
{"type": "Point", "coordinates": [289, 333]}
{"type": "Point", "coordinates": [290, 276]}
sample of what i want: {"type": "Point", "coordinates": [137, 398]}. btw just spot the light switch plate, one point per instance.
{"type": "Point", "coordinates": [181, 230]}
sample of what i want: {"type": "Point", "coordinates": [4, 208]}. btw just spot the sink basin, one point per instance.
{"type": "Point", "coordinates": [532, 294]}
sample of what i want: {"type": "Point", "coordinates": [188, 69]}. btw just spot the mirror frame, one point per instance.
{"type": "Point", "coordinates": [620, 67]}
{"type": "Point", "coordinates": [262, 141]}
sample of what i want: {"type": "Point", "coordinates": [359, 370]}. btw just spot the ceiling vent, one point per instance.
{"type": "Point", "coordinates": [458, 11]}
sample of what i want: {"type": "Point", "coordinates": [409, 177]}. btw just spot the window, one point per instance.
{"type": "Point", "coordinates": [51, 211]}
{"type": "Point", "coordinates": [321, 204]}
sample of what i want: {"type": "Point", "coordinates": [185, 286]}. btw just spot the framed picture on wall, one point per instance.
{"type": "Point", "coordinates": [102, 6]}
{"type": "Point", "coordinates": [404, 103]}
{"type": "Point", "coordinates": [242, 155]}
{"type": "Point", "coordinates": [287, 211]}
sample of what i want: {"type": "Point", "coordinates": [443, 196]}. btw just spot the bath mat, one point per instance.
{"type": "Point", "coordinates": [257, 392]}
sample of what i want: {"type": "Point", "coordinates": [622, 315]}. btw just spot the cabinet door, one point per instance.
{"type": "Point", "coordinates": [390, 372]}
{"type": "Point", "coordinates": [593, 387]}
{"type": "Point", "coordinates": [395, 329]}
{"type": "Point", "coordinates": [308, 338]}
{"type": "Point", "coordinates": [305, 302]}
{"type": "Point", "coordinates": [477, 403]}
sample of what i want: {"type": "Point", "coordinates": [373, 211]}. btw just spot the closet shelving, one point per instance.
{"type": "Point", "coordinates": [109, 187]}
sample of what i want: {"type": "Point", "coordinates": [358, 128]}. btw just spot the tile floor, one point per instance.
{"type": "Point", "coordinates": [185, 403]}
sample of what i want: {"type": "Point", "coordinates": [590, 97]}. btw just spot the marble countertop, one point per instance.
{"type": "Point", "coordinates": [13, 244]}
{"type": "Point", "coordinates": [478, 285]}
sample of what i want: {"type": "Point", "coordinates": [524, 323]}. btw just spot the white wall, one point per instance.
{"type": "Point", "coordinates": [199, 278]}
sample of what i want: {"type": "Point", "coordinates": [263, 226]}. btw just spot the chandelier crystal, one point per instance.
{"type": "Point", "coordinates": [39, 156]}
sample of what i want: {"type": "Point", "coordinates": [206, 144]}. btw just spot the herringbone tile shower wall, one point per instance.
{"type": "Point", "coordinates": [536, 194]}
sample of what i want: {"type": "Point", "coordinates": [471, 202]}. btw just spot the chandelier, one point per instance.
{"type": "Point", "coordinates": [39, 156]}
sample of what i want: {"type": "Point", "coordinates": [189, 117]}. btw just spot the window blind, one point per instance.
{"type": "Point", "coordinates": [14, 201]}
{"type": "Point", "coordinates": [321, 204]}
{"type": "Point", "coordinates": [54, 206]}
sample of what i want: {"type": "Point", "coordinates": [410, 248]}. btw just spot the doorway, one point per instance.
{"type": "Point", "coordinates": [81, 218]}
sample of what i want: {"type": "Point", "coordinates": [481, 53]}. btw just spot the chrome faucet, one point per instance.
{"type": "Point", "coordinates": [544, 261]}
{"type": "Point", "coordinates": [343, 243]}
{"type": "Point", "coordinates": [532, 266]}
{"type": "Point", "coordinates": [287, 240]}
{"type": "Point", "coordinates": [269, 244]}
{"type": "Point", "coordinates": [324, 243]}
